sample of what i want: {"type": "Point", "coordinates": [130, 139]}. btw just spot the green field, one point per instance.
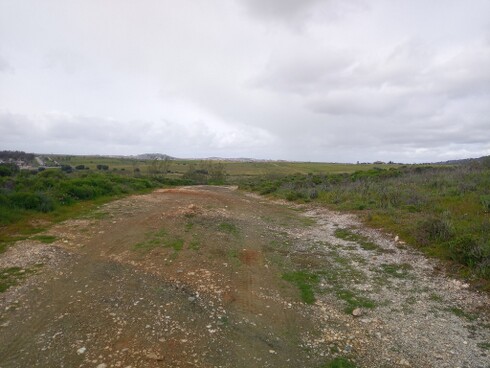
{"type": "Point", "coordinates": [442, 209]}
{"type": "Point", "coordinates": [234, 170]}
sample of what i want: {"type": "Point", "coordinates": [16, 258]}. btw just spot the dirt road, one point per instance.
{"type": "Point", "coordinates": [212, 277]}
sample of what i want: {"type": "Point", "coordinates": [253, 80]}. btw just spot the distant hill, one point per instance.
{"type": "Point", "coordinates": [154, 156]}
{"type": "Point", "coordinates": [464, 161]}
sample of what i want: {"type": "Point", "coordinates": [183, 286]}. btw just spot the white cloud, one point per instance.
{"type": "Point", "coordinates": [325, 80]}
{"type": "Point", "coordinates": [51, 131]}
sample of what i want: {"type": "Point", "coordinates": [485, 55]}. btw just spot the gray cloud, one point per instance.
{"type": "Point", "coordinates": [295, 14]}
{"type": "Point", "coordinates": [49, 132]}
{"type": "Point", "coordinates": [325, 80]}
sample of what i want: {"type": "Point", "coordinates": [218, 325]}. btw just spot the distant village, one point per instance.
{"type": "Point", "coordinates": [27, 161]}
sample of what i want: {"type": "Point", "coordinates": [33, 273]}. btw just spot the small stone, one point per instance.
{"type": "Point", "coordinates": [102, 365]}
{"type": "Point", "coordinates": [272, 351]}
{"type": "Point", "coordinates": [404, 362]}
{"type": "Point", "coordinates": [357, 312]}
{"type": "Point", "coordinates": [153, 356]}
{"type": "Point", "coordinates": [81, 350]}
{"type": "Point", "coordinates": [191, 299]}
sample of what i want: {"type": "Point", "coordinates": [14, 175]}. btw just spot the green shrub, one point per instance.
{"type": "Point", "coordinates": [470, 250]}
{"type": "Point", "coordinates": [7, 169]}
{"type": "Point", "coordinates": [434, 229]}
{"type": "Point", "coordinates": [339, 362]}
{"type": "Point", "coordinates": [485, 201]}
{"type": "Point", "coordinates": [28, 201]}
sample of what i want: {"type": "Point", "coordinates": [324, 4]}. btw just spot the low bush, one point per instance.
{"type": "Point", "coordinates": [442, 209]}
{"type": "Point", "coordinates": [52, 188]}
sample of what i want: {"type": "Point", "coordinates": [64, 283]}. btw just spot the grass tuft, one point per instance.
{"type": "Point", "coordinates": [228, 227]}
{"type": "Point", "coordinates": [46, 239]}
{"type": "Point", "coordinates": [364, 242]}
{"type": "Point", "coordinates": [339, 362]}
{"type": "Point", "coordinates": [305, 282]}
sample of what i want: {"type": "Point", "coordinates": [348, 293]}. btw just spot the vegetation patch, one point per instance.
{"type": "Point", "coordinates": [46, 239]}
{"type": "Point", "coordinates": [306, 282]}
{"type": "Point", "coordinates": [354, 301]}
{"type": "Point", "coordinates": [349, 235]}
{"type": "Point", "coordinates": [461, 313]}
{"type": "Point", "coordinates": [194, 245]}
{"type": "Point", "coordinates": [484, 345]}
{"type": "Point", "coordinates": [436, 297]}
{"type": "Point", "coordinates": [229, 228]}
{"type": "Point", "coordinates": [160, 239]}
{"type": "Point", "coordinates": [443, 209]}
{"type": "Point", "coordinates": [12, 276]}
{"type": "Point", "coordinates": [400, 271]}
{"type": "Point", "coordinates": [339, 362]}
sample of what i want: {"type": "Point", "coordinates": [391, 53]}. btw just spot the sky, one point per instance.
{"type": "Point", "coordinates": [304, 80]}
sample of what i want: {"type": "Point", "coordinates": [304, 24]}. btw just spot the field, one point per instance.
{"type": "Point", "coordinates": [119, 262]}
{"type": "Point", "coordinates": [234, 170]}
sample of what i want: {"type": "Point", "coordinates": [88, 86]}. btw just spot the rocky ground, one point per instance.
{"type": "Point", "coordinates": [198, 277]}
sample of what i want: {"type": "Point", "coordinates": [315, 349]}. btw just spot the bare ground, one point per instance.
{"type": "Point", "coordinates": [192, 277]}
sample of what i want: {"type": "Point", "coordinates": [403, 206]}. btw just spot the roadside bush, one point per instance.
{"type": "Point", "coordinates": [469, 250]}
{"type": "Point", "coordinates": [434, 229]}
{"type": "Point", "coordinates": [31, 201]}
{"type": "Point", "coordinates": [66, 168]}
{"type": "Point", "coordinates": [8, 169]}
{"type": "Point", "coordinates": [485, 201]}
{"type": "Point", "coordinates": [83, 191]}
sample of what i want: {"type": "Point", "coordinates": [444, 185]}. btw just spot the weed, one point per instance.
{"type": "Point", "coordinates": [461, 313]}
{"type": "Point", "coordinates": [95, 215]}
{"type": "Point", "coordinates": [160, 239]}
{"type": "Point", "coordinates": [434, 228]}
{"type": "Point", "coordinates": [175, 244]}
{"type": "Point", "coordinates": [188, 226]}
{"type": "Point", "coordinates": [46, 239]}
{"type": "Point", "coordinates": [305, 282]}
{"type": "Point", "coordinates": [194, 244]}
{"type": "Point", "coordinates": [229, 228]}
{"type": "Point", "coordinates": [339, 362]}
{"type": "Point", "coordinates": [485, 201]}
{"type": "Point", "coordinates": [307, 221]}
{"type": "Point", "coordinates": [435, 297]}
{"type": "Point", "coordinates": [400, 271]}
{"type": "Point", "coordinates": [11, 277]}
{"type": "Point", "coordinates": [411, 300]}
{"type": "Point", "coordinates": [354, 301]}
{"type": "Point", "coordinates": [364, 242]}
{"type": "Point", "coordinates": [484, 345]}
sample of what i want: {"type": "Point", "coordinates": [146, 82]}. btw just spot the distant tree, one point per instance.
{"type": "Point", "coordinates": [80, 167]}
{"type": "Point", "coordinates": [8, 169]}
{"type": "Point", "coordinates": [102, 167]}
{"type": "Point", "coordinates": [66, 168]}
{"type": "Point", "coordinates": [159, 167]}
{"type": "Point", "coordinates": [206, 172]}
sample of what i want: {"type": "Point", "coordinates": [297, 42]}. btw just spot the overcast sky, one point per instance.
{"type": "Point", "coordinates": [313, 80]}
